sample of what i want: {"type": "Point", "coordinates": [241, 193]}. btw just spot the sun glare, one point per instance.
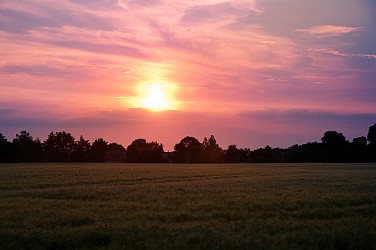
{"type": "Point", "coordinates": [156, 96]}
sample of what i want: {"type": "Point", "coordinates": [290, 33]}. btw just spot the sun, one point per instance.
{"type": "Point", "coordinates": [156, 96]}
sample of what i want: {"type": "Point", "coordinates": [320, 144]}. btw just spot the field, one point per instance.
{"type": "Point", "coordinates": [169, 206]}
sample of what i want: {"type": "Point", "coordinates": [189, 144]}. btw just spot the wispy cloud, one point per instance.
{"type": "Point", "coordinates": [337, 53]}
{"type": "Point", "coordinates": [306, 115]}
{"type": "Point", "coordinates": [328, 30]}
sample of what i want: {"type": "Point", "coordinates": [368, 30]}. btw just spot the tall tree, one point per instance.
{"type": "Point", "coordinates": [59, 147]}
{"type": "Point", "coordinates": [188, 150]}
{"type": "Point", "coordinates": [98, 150]}
{"type": "Point", "coordinates": [267, 154]}
{"type": "Point", "coordinates": [337, 148]}
{"type": "Point", "coordinates": [244, 154]}
{"type": "Point", "coordinates": [359, 149]}
{"type": "Point", "coordinates": [136, 150]}
{"type": "Point", "coordinates": [333, 138]}
{"type": "Point", "coordinates": [5, 149]}
{"type": "Point", "coordinates": [142, 151]}
{"type": "Point", "coordinates": [115, 152]}
{"type": "Point", "coordinates": [212, 153]}
{"type": "Point", "coordinates": [232, 154]}
{"type": "Point", "coordinates": [371, 136]}
{"type": "Point", "coordinates": [81, 152]}
{"type": "Point", "coordinates": [25, 149]}
{"type": "Point", "coordinates": [156, 152]}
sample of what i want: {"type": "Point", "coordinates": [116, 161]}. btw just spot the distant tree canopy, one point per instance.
{"type": "Point", "coordinates": [62, 147]}
{"type": "Point", "coordinates": [115, 152]}
{"type": "Point", "coordinates": [59, 147]}
{"type": "Point", "coordinates": [188, 150]}
{"type": "Point", "coordinates": [232, 154]}
{"type": "Point", "coordinates": [333, 138]}
{"type": "Point", "coordinates": [371, 136]}
{"type": "Point", "coordinates": [25, 149]}
{"type": "Point", "coordinates": [212, 153]}
{"type": "Point", "coordinates": [5, 149]}
{"type": "Point", "coordinates": [266, 154]}
{"type": "Point", "coordinates": [82, 149]}
{"type": "Point", "coordinates": [98, 150]}
{"type": "Point", "coordinates": [145, 152]}
{"type": "Point", "coordinates": [336, 147]}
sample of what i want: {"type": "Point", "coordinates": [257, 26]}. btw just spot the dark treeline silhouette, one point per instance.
{"type": "Point", "coordinates": [144, 152]}
{"type": "Point", "coordinates": [62, 147]}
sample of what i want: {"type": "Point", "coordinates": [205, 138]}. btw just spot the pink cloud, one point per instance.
{"type": "Point", "coordinates": [329, 30]}
{"type": "Point", "coordinates": [337, 53]}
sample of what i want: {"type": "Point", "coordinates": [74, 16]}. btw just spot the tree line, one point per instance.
{"type": "Point", "coordinates": [63, 147]}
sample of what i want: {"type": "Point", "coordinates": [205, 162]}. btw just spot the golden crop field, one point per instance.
{"type": "Point", "coordinates": [182, 206]}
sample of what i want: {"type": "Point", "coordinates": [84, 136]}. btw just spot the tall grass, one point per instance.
{"type": "Point", "coordinates": [168, 206]}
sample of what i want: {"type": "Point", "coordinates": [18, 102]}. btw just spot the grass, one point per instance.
{"type": "Point", "coordinates": [169, 206]}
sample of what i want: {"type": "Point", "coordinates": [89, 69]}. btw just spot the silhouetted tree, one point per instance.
{"type": "Point", "coordinates": [142, 151]}
{"type": "Point", "coordinates": [188, 150]}
{"type": "Point", "coordinates": [212, 153]}
{"type": "Point", "coordinates": [5, 149]}
{"type": "Point", "coordinates": [333, 138]}
{"type": "Point", "coordinates": [266, 154]}
{"type": "Point", "coordinates": [156, 152]}
{"type": "Point", "coordinates": [359, 149]}
{"type": "Point", "coordinates": [360, 141]}
{"type": "Point", "coordinates": [136, 150]}
{"type": "Point", "coordinates": [232, 154]}
{"type": "Point", "coordinates": [81, 152]}
{"type": "Point", "coordinates": [337, 148]}
{"type": "Point", "coordinates": [59, 147]}
{"type": "Point", "coordinates": [115, 152]}
{"type": "Point", "coordinates": [25, 149]}
{"type": "Point", "coordinates": [98, 150]}
{"type": "Point", "coordinates": [371, 137]}
{"type": "Point", "coordinates": [244, 154]}
{"type": "Point", "coordinates": [309, 152]}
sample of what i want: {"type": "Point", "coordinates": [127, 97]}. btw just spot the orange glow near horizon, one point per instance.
{"type": "Point", "coordinates": [155, 96]}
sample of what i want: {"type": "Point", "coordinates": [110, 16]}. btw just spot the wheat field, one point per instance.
{"type": "Point", "coordinates": [183, 206]}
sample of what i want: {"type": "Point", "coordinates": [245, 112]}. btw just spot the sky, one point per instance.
{"type": "Point", "coordinates": [251, 73]}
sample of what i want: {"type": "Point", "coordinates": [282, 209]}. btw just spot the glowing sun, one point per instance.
{"type": "Point", "coordinates": [156, 96]}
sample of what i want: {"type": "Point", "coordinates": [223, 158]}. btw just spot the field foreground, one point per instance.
{"type": "Point", "coordinates": [168, 206]}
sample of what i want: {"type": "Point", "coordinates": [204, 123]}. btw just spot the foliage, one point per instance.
{"type": "Point", "coordinates": [62, 147]}
{"type": "Point", "coordinates": [115, 152]}
{"type": "Point", "coordinates": [244, 154]}
{"type": "Point", "coordinates": [59, 147]}
{"type": "Point", "coordinates": [333, 138]}
{"type": "Point", "coordinates": [232, 154]}
{"type": "Point", "coordinates": [25, 149]}
{"type": "Point", "coordinates": [81, 150]}
{"type": "Point", "coordinates": [145, 152]}
{"type": "Point", "coordinates": [212, 153]}
{"type": "Point", "coordinates": [98, 150]}
{"type": "Point", "coordinates": [371, 136]}
{"type": "Point", "coordinates": [5, 149]}
{"type": "Point", "coordinates": [267, 154]}
{"type": "Point", "coordinates": [188, 150]}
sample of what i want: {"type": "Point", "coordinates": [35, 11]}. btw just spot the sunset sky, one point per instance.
{"type": "Point", "coordinates": [252, 73]}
